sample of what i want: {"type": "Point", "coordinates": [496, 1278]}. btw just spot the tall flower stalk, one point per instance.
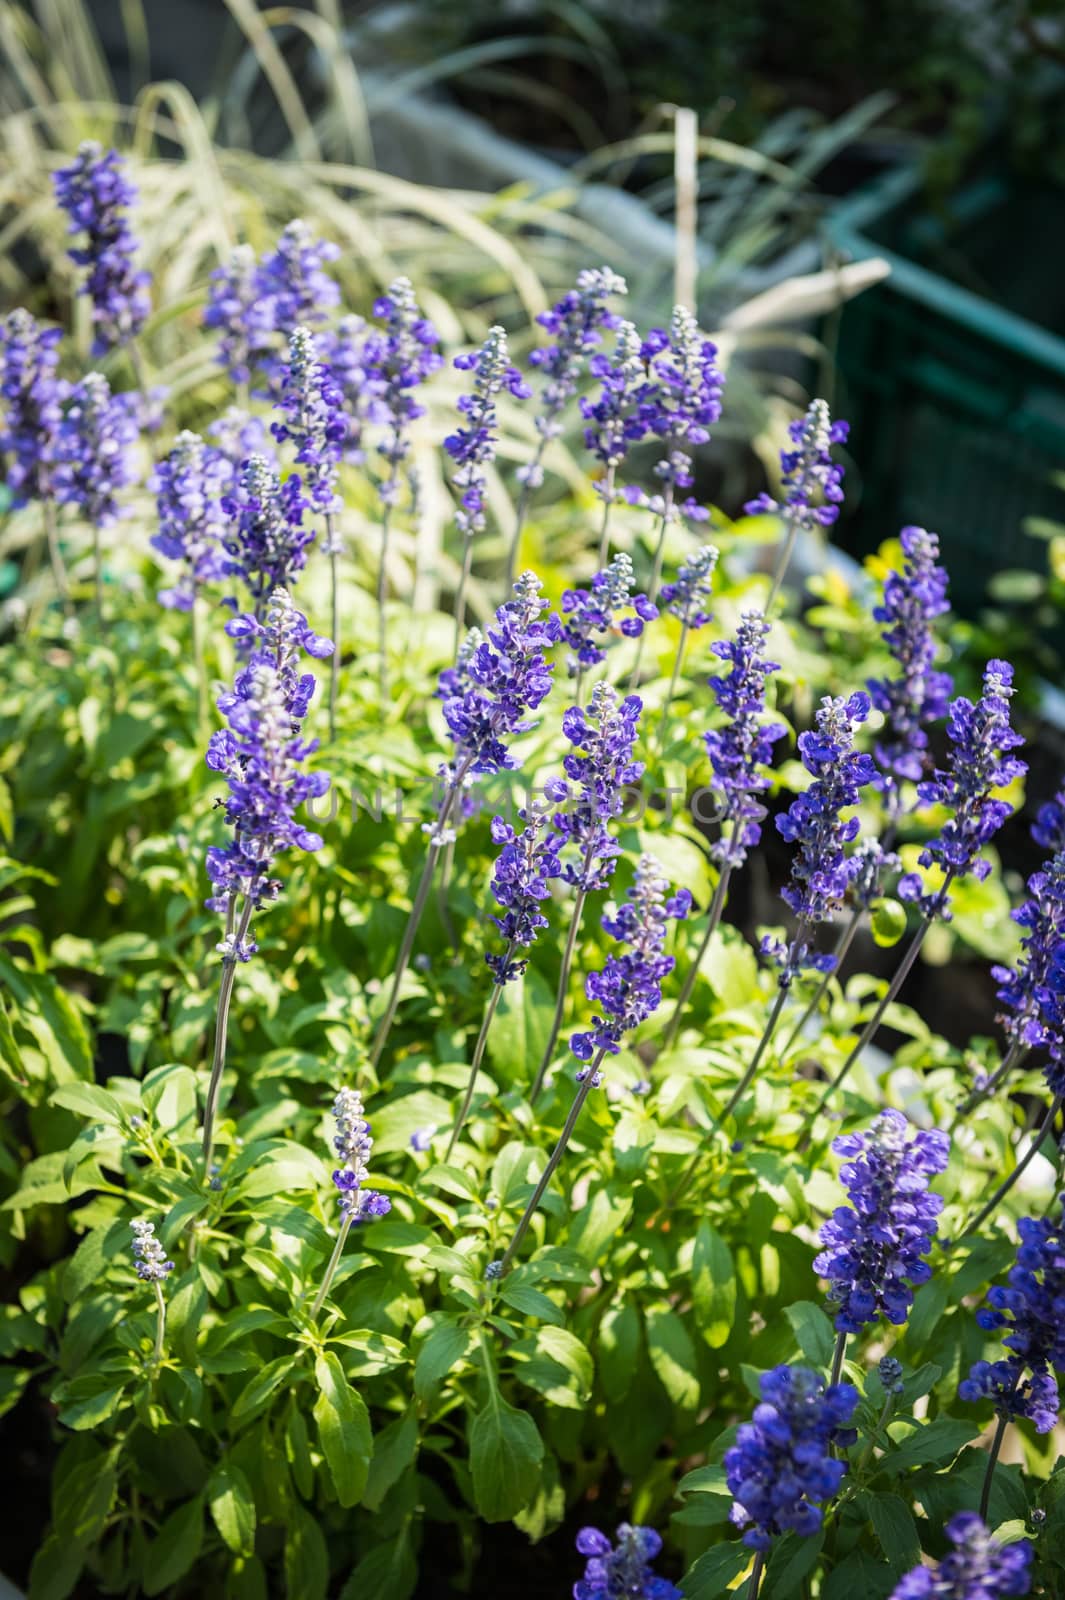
{"type": "Point", "coordinates": [95, 462]}
{"type": "Point", "coordinates": [614, 422]}
{"type": "Point", "coordinates": [95, 193]}
{"type": "Point", "coordinates": [472, 447]}
{"type": "Point", "coordinates": [590, 616]}
{"type": "Point", "coordinates": [313, 419]}
{"type": "Point", "coordinates": [627, 991]}
{"type": "Point", "coordinates": [598, 769]}
{"type": "Point", "coordinates": [739, 752]}
{"type": "Point", "coordinates": [262, 755]}
{"type": "Point", "coordinates": [32, 395]}
{"type": "Point", "coordinates": [488, 698]}
{"type": "Point", "coordinates": [577, 324]}
{"type": "Point", "coordinates": [524, 868]}
{"type": "Point", "coordinates": [684, 599]}
{"type": "Point", "coordinates": [351, 1145]}
{"type": "Point", "coordinates": [811, 488]}
{"type": "Point", "coordinates": [979, 763]}
{"type": "Point", "coordinates": [267, 540]}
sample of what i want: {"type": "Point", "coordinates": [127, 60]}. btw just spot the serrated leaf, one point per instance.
{"type": "Point", "coordinates": [895, 1529]}
{"type": "Point", "coordinates": [505, 1454]}
{"type": "Point", "coordinates": [394, 1450]}
{"type": "Point", "coordinates": [442, 1351]}
{"type": "Point", "coordinates": [932, 1443]}
{"type": "Point", "coordinates": [714, 1573]}
{"type": "Point", "coordinates": [532, 1303]}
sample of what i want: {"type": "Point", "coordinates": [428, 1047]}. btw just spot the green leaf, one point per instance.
{"type": "Point", "coordinates": [56, 1568]}
{"type": "Point", "coordinates": [394, 1449]}
{"type": "Point", "coordinates": [859, 1574]}
{"type": "Point", "coordinates": [175, 1548]}
{"type": "Point", "coordinates": [298, 1452]}
{"type": "Point", "coordinates": [343, 1430]}
{"type": "Point", "coordinates": [256, 1394]}
{"type": "Point", "coordinates": [672, 1356]}
{"type": "Point", "coordinates": [714, 1572]}
{"type": "Point", "coordinates": [556, 1364]}
{"type": "Point", "coordinates": [394, 1123]}
{"type": "Point", "coordinates": [619, 1349]}
{"type": "Point", "coordinates": [89, 1261]}
{"type": "Point", "coordinates": [713, 1286]}
{"type": "Point", "coordinates": [390, 1572]}
{"type": "Point", "coordinates": [604, 1215]}
{"type": "Point", "coordinates": [933, 1443]}
{"type": "Point", "coordinates": [505, 1455]}
{"type": "Point", "coordinates": [169, 1093]}
{"type": "Point", "coordinates": [446, 1347]}
{"type": "Point", "coordinates": [87, 1401]}
{"type": "Point", "coordinates": [791, 1559]}
{"type": "Point", "coordinates": [232, 1506]}
{"type": "Point", "coordinates": [929, 1304]}
{"type": "Point", "coordinates": [452, 1180]}
{"type": "Point", "coordinates": [246, 1579]}
{"type": "Point", "coordinates": [895, 1529]}
{"type": "Point", "coordinates": [306, 1558]}
{"type": "Point", "coordinates": [522, 1027]}
{"type": "Point", "coordinates": [814, 1333]}
{"type": "Point", "coordinates": [532, 1303]}
{"type": "Point", "coordinates": [89, 1100]}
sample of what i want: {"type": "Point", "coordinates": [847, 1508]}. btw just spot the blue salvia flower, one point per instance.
{"type": "Point", "coordinates": [313, 420]}
{"type": "Point", "coordinates": [404, 357]}
{"type": "Point", "coordinates": [602, 767]}
{"type": "Point", "coordinates": [613, 417]}
{"type": "Point", "coordinates": [686, 596]}
{"type": "Point", "coordinates": [821, 870]}
{"type": "Point", "coordinates": [918, 695]}
{"type": "Point", "coordinates": [499, 680]}
{"type": "Point", "coordinates": [1030, 1309]}
{"type": "Point", "coordinates": [95, 193]}
{"type": "Point", "coordinates": [781, 1467]}
{"type": "Point", "coordinates": [740, 750]}
{"type": "Point", "coordinates": [1048, 829]}
{"type": "Point", "coordinates": [978, 763]}
{"type": "Point", "coordinates": [622, 1570]}
{"type": "Point", "coordinates": [978, 1567]}
{"type": "Point", "coordinates": [32, 396]}
{"type": "Point", "coordinates": [681, 401]}
{"type": "Point", "coordinates": [262, 755]}
{"type": "Point", "coordinates": [593, 614]}
{"type": "Point", "coordinates": [352, 1145]}
{"type": "Point", "coordinates": [188, 486]}
{"type": "Point", "coordinates": [95, 450]}
{"type": "Point", "coordinates": [524, 868]}
{"type": "Point", "coordinates": [1030, 991]}
{"type": "Point", "coordinates": [889, 1371]}
{"type": "Point", "coordinates": [628, 989]}
{"type": "Point", "coordinates": [577, 324]}
{"type": "Point", "coordinates": [868, 865]}
{"type": "Point", "coordinates": [353, 351]}
{"type": "Point", "coordinates": [872, 1251]}
{"type": "Point", "coordinates": [292, 290]}
{"type": "Point", "coordinates": [240, 312]}
{"type": "Point", "coordinates": [148, 1254]}
{"type": "Point", "coordinates": [473, 446]}
{"type": "Point", "coordinates": [812, 486]}
{"type": "Point", "coordinates": [267, 539]}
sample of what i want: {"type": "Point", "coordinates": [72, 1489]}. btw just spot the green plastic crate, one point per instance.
{"type": "Point", "coordinates": [957, 401]}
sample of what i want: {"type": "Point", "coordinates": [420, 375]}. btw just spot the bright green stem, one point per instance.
{"type": "Point", "coordinates": [334, 660]}
{"type": "Point", "coordinates": [782, 563]}
{"type": "Point", "coordinates": [590, 1075]}
{"type": "Point", "coordinates": [656, 573]}
{"type": "Point", "coordinates": [416, 910]}
{"type": "Point", "coordinates": [563, 987]}
{"type": "Point", "coordinates": [478, 1055]}
{"type": "Point", "coordinates": [460, 592]}
{"type": "Point", "coordinates": [756, 1060]}
{"type": "Point", "coordinates": [524, 500]}
{"type": "Point", "coordinates": [843, 944]}
{"type": "Point", "coordinates": [717, 906]}
{"type": "Point", "coordinates": [160, 1323]}
{"type": "Point", "coordinates": [382, 589]}
{"type": "Point", "coordinates": [677, 659]}
{"type": "Point", "coordinates": [334, 1262]}
{"type": "Point", "coordinates": [604, 529]}
{"type": "Point", "coordinates": [1007, 1184]}
{"type": "Point", "coordinates": [225, 996]}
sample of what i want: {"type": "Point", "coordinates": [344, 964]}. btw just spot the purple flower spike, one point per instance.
{"type": "Point", "coordinates": [499, 680]}
{"type": "Point", "coordinates": [401, 358]}
{"type": "Point", "coordinates": [614, 420]}
{"type": "Point", "coordinates": [523, 872]}
{"type": "Point", "coordinates": [576, 324]}
{"type": "Point", "coordinates": [240, 313]}
{"type": "Point", "coordinates": [313, 420]}
{"type": "Point", "coordinates": [32, 394]}
{"type": "Point", "coordinates": [261, 754]}
{"type": "Point", "coordinates": [267, 539]}
{"type": "Point", "coordinates": [95, 192]}
{"type": "Point", "coordinates": [1031, 992]}
{"type": "Point", "coordinates": [781, 1467]}
{"type": "Point", "coordinates": [352, 1145]}
{"type": "Point", "coordinates": [601, 766]}
{"type": "Point", "coordinates": [821, 871]}
{"type": "Point", "coordinates": [812, 481]}
{"type": "Point", "coordinates": [918, 695]}
{"type": "Point", "coordinates": [594, 613]}
{"type": "Point", "coordinates": [149, 1257]}
{"type": "Point", "coordinates": [692, 588]}
{"type": "Point", "coordinates": [740, 751]}
{"type": "Point", "coordinates": [188, 487]}
{"type": "Point", "coordinates": [978, 1568]}
{"type": "Point", "coordinates": [95, 449]}
{"type": "Point", "coordinates": [473, 446]}
{"type": "Point", "coordinates": [872, 1250]}
{"type": "Point", "coordinates": [980, 738]}
{"type": "Point", "coordinates": [628, 988]}
{"type": "Point", "coordinates": [680, 403]}
{"type": "Point", "coordinates": [236, 435]}
{"type": "Point", "coordinates": [621, 1571]}
{"type": "Point", "coordinates": [1048, 829]}
{"type": "Point", "coordinates": [1030, 1309]}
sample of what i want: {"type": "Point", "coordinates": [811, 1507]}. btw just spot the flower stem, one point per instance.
{"type": "Point", "coordinates": [837, 1358]}
{"type": "Point", "coordinates": [756, 1576]}
{"type": "Point", "coordinates": [524, 500]}
{"type": "Point", "coordinates": [846, 939]}
{"type": "Point", "coordinates": [478, 1054]}
{"type": "Point", "coordinates": [660, 743]}
{"type": "Point", "coordinates": [656, 573]}
{"type": "Point", "coordinates": [992, 1461]}
{"type": "Point", "coordinates": [202, 690]}
{"type": "Point", "coordinates": [334, 660]}
{"type": "Point", "coordinates": [382, 589]}
{"type": "Point", "coordinates": [97, 575]}
{"type": "Point", "coordinates": [334, 1262]}
{"type": "Point", "coordinates": [416, 910]}
{"type": "Point", "coordinates": [783, 563]}
{"type": "Point", "coordinates": [225, 996]}
{"type": "Point", "coordinates": [1006, 1185]}
{"type": "Point", "coordinates": [745, 1082]}
{"type": "Point", "coordinates": [717, 906]}
{"type": "Point", "coordinates": [460, 592]}
{"type": "Point", "coordinates": [870, 1446]}
{"type": "Point", "coordinates": [160, 1323]}
{"type": "Point", "coordinates": [563, 977]}
{"type": "Point", "coordinates": [604, 529]}
{"type": "Point", "coordinates": [556, 1156]}
{"type": "Point", "coordinates": [978, 1096]}
{"type": "Point", "coordinates": [55, 553]}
